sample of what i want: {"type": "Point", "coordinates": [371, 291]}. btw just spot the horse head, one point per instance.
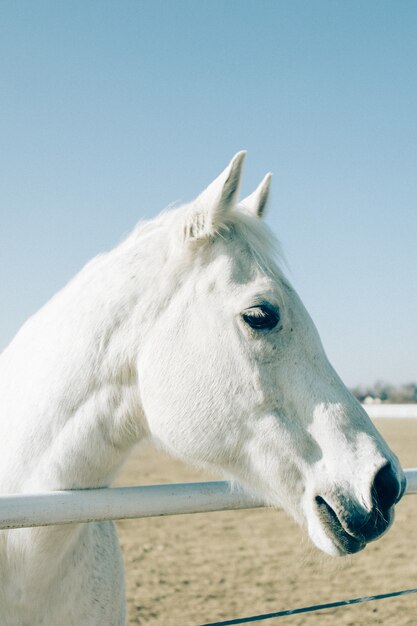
{"type": "Point", "coordinates": [233, 377]}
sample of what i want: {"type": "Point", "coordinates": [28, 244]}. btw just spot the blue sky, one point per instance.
{"type": "Point", "coordinates": [109, 111]}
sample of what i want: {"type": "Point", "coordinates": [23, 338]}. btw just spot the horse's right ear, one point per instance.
{"type": "Point", "coordinates": [212, 205]}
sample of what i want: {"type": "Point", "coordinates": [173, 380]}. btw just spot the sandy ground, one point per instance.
{"type": "Point", "coordinates": [193, 569]}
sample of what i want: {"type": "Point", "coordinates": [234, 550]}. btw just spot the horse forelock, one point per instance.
{"type": "Point", "coordinates": [264, 247]}
{"type": "Point", "coordinates": [239, 225]}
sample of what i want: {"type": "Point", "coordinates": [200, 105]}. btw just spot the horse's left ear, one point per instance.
{"type": "Point", "coordinates": [212, 205]}
{"type": "Point", "coordinates": [257, 201]}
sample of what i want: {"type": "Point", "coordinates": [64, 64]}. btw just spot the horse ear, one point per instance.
{"type": "Point", "coordinates": [212, 205]}
{"type": "Point", "coordinates": [257, 201]}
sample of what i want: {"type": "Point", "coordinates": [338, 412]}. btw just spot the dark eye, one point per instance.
{"type": "Point", "coordinates": [262, 317]}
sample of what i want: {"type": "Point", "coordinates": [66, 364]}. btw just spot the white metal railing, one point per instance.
{"type": "Point", "coordinates": [87, 505]}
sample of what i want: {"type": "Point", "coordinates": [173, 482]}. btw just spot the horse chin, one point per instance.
{"type": "Point", "coordinates": [328, 534]}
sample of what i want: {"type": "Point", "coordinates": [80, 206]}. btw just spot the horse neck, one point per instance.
{"type": "Point", "coordinates": [69, 378]}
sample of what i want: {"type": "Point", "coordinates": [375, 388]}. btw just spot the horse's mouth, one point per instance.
{"type": "Point", "coordinates": [344, 541]}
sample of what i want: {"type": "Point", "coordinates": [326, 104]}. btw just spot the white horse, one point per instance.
{"type": "Point", "coordinates": [188, 334]}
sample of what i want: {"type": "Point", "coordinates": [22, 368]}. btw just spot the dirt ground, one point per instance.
{"type": "Point", "coordinates": [192, 569]}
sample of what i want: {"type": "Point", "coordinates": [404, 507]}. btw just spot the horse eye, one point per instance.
{"type": "Point", "coordinates": [262, 317]}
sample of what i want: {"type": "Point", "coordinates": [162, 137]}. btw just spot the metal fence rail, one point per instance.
{"type": "Point", "coordinates": [87, 505]}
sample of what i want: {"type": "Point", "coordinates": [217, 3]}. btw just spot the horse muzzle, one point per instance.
{"type": "Point", "coordinates": [349, 526]}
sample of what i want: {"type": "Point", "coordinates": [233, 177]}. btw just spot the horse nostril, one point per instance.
{"type": "Point", "coordinates": [386, 488]}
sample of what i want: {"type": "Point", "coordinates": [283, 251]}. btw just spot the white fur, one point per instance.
{"type": "Point", "coordinates": [147, 341]}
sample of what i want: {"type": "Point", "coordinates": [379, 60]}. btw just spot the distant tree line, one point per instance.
{"type": "Point", "coordinates": [384, 392]}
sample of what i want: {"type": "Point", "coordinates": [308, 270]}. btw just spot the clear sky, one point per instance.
{"type": "Point", "coordinates": [109, 111]}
